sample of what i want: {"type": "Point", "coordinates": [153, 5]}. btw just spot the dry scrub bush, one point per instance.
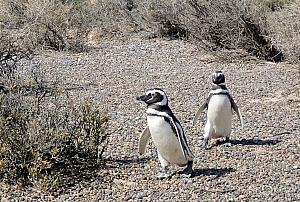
{"type": "Point", "coordinates": [50, 23]}
{"type": "Point", "coordinates": [164, 18]}
{"type": "Point", "coordinates": [214, 24]}
{"type": "Point", "coordinates": [44, 137]}
{"type": "Point", "coordinates": [217, 24]}
{"type": "Point", "coordinates": [66, 24]}
{"type": "Point", "coordinates": [273, 5]}
{"type": "Point", "coordinates": [113, 17]}
{"type": "Point", "coordinates": [285, 29]}
{"type": "Point", "coordinates": [10, 54]}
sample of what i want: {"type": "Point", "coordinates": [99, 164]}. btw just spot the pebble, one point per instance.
{"type": "Point", "coordinates": [141, 195]}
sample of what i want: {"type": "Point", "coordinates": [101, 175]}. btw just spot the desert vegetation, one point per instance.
{"type": "Point", "coordinates": [250, 26]}
{"type": "Point", "coordinates": [44, 134]}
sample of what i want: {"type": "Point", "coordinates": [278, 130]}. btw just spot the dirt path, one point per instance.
{"type": "Point", "coordinates": [263, 162]}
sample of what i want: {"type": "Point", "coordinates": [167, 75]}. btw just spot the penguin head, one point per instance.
{"type": "Point", "coordinates": [218, 77]}
{"type": "Point", "coordinates": [154, 96]}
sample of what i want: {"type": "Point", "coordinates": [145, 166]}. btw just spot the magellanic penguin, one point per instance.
{"type": "Point", "coordinates": [166, 133]}
{"type": "Point", "coordinates": [219, 105]}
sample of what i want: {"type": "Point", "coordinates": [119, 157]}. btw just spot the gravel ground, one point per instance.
{"type": "Point", "coordinates": [262, 164]}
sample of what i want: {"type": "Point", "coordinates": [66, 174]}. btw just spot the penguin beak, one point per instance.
{"type": "Point", "coordinates": [143, 98]}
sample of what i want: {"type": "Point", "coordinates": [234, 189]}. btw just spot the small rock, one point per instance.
{"type": "Point", "coordinates": [228, 144]}
{"type": "Point", "coordinates": [127, 198]}
{"type": "Point", "coordinates": [140, 195]}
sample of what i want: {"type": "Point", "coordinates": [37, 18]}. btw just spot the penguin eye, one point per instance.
{"type": "Point", "coordinates": [150, 94]}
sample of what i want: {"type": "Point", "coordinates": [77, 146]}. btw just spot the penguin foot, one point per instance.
{"type": "Point", "coordinates": [184, 175]}
{"type": "Point", "coordinates": [188, 171]}
{"type": "Point", "coordinates": [163, 175]}
{"type": "Point", "coordinates": [227, 142]}
{"type": "Point", "coordinates": [205, 144]}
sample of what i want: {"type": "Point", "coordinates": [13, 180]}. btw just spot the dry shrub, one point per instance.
{"type": "Point", "coordinates": [216, 24]}
{"type": "Point", "coordinates": [273, 5]}
{"type": "Point", "coordinates": [164, 18]}
{"type": "Point", "coordinates": [285, 29]}
{"type": "Point", "coordinates": [10, 54]}
{"type": "Point", "coordinates": [44, 136]}
{"type": "Point", "coordinates": [65, 25]}
{"type": "Point", "coordinates": [51, 23]}
{"type": "Point", "coordinates": [113, 17]}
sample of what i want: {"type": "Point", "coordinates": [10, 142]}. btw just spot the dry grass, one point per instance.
{"type": "Point", "coordinates": [215, 25]}
{"type": "Point", "coordinates": [50, 24]}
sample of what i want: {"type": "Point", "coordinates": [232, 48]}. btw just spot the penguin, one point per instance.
{"type": "Point", "coordinates": [219, 105]}
{"type": "Point", "coordinates": [167, 134]}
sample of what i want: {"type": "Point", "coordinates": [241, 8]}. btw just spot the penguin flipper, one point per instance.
{"type": "Point", "coordinates": [143, 141]}
{"type": "Point", "coordinates": [237, 111]}
{"type": "Point", "coordinates": [202, 108]}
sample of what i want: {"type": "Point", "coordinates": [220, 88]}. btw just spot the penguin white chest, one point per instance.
{"type": "Point", "coordinates": [165, 140]}
{"type": "Point", "coordinates": [219, 116]}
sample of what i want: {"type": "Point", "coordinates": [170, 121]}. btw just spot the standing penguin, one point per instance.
{"type": "Point", "coordinates": [219, 105]}
{"type": "Point", "coordinates": [167, 134]}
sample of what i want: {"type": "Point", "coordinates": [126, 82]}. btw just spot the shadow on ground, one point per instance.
{"type": "Point", "coordinates": [90, 170]}
{"type": "Point", "coordinates": [218, 172]}
{"type": "Point", "coordinates": [250, 142]}
{"type": "Point", "coordinates": [79, 172]}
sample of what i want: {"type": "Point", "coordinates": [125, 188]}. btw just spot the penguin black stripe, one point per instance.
{"type": "Point", "coordinates": [183, 143]}
{"type": "Point", "coordinates": [165, 109]}
{"type": "Point", "coordinates": [166, 119]}
{"type": "Point", "coordinates": [219, 86]}
{"type": "Point", "coordinates": [172, 120]}
{"type": "Point", "coordinates": [219, 89]}
{"type": "Point", "coordinates": [219, 93]}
